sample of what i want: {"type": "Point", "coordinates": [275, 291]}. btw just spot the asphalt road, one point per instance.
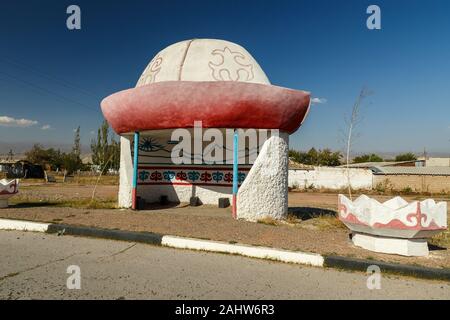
{"type": "Point", "coordinates": [34, 266]}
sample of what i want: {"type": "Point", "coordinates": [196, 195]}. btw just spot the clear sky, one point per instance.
{"type": "Point", "coordinates": [56, 78]}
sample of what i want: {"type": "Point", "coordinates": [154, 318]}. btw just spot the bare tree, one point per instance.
{"type": "Point", "coordinates": [352, 124]}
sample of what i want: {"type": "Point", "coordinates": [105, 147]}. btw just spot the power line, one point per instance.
{"type": "Point", "coordinates": [50, 92]}
{"type": "Point", "coordinates": [61, 81]}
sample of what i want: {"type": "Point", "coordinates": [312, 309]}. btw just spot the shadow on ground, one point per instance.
{"type": "Point", "coordinates": [306, 213]}
{"type": "Point", "coordinates": [36, 204]}
{"type": "Point", "coordinates": [159, 206]}
{"type": "Point", "coordinates": [433, 247]}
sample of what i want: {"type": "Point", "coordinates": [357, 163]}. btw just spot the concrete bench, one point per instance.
{"type": "Point", "coordinates": [49, 178]}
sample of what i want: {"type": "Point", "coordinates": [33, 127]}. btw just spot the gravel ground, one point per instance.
{"type": "Point", "coordinates": [324, 235]}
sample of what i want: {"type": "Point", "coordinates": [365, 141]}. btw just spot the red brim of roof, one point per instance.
{"type": "Point", "coordinates": [218, 104]}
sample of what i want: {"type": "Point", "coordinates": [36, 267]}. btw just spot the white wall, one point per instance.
{"type": "Point", "coordinates": [177, 193]}
{"type": "Point", "coordinates": [437, 162]}
{"type": "Point", "coordinates": [330, 178]}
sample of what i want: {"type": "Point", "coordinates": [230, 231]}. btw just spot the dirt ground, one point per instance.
{"type": "Point", "coordinates": [64, 191]}
{"type": "Point", "coordinates": [312, 226]}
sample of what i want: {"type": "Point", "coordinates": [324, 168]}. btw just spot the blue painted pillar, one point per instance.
{"type": "Point", "coordinates": [135, 170]}
{"type": "Point", "coordinates": [235, 171]}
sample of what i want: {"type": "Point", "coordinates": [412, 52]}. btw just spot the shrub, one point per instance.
{"type": "Point", "coordinates": [406, 157]}
{"type": "Point", "coordinates": [367, 158]}
{"type": "Point", "coordinates": [407, 190]}
{"type": "Point", "coordinates": [383, 186]}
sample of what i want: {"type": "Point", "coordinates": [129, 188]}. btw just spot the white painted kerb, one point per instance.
{"type": "Point", "coordinates": [196, 244]}
{"type": "Point", "coordinates": [244, 250]}
{"type": "Point", "coordinates": [6, 224]}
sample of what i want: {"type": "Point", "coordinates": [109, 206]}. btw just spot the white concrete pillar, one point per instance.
{"type": "Point", "coordinates": [126, 173]}
{"type": "Point", "coordinates": [264, 192]}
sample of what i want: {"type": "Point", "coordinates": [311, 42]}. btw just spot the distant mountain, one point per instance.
{"type": "Point", "coordinates": [391, 155]}
{"type": "Point", "coordinates": [22, 147]}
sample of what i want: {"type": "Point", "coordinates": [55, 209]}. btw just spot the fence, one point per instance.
{"type": "Point", "coordinates": [330, 178]}
{"type": "Point", "coordinates": [414, 183]}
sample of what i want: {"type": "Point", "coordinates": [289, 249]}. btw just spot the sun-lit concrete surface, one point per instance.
{"type": "Point", "coordinates": [34, 266]}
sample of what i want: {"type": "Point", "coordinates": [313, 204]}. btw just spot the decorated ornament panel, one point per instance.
{"type": "Point", "coordinates": [189, 175]}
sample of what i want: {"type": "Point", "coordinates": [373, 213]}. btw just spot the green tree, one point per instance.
{"type": "Point", "coordinates": [367, 158]}
{"type": "Point", "coordinates": [71, 161]}
{"type": "Point", "coordinates": [324, 157]}
{"type": "Point", "coordinates": [76, 143]}
{"type": "Point", "coordinates": [295, 155]}
{"type": "Point", "coordinates": [105, 150]}
{"type": "Point", "coordinates": [52, 159]}
{"type": "Point", "coordinates": [312, 157]}
{"type": "Point", "coordinates": [409, 156]}
{"type": "Point", "coordinates": [115, 154]}
{"type": "Point", "coordinates": [48, 158]}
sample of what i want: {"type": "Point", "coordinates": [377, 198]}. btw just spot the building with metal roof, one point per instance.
{"type": "Point", "coordinates": [392, 170]}
{"type": "Point", "coordinates": [368, 165]}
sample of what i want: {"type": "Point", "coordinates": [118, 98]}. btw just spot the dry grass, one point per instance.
{"type": "Point", "coordinates": [81, 180]}
{"type": "Point", "coordinates": [327, 223]}
{"type": "Point", "coordinates": [90, 204]}
{"type": "Point", "coordinates": [441, 240]}
{"type": "Point", "coordinates": [321, 221]}
{"type": "Point", "coordinates": [104, 180]}
{"type": "Point", "coordinates": [292, 219]}
{"type": "Point", "coordinates": [269, 221]}
{"type": "Point", "coordinates": [385, 191]}
{"type": "Point", "coordinates": [77, 203]}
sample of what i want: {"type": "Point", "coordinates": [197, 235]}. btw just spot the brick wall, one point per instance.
{"type": "Point", "coordinates": [419, 183]}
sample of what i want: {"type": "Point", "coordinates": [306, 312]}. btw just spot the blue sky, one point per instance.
{"type": "Point", "coordinates": [57, 77]}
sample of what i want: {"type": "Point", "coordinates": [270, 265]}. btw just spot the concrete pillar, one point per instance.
{"type": "Point", "coordinates": [126, 173]}
{"type": "Point", "coordinates": [264, 192]}
{"type": "Point", "coordinates": [134, 204]}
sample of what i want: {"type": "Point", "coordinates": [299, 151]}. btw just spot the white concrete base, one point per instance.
{"type": "Point", "coordinates": [404, 247]}
{"type": "Point", "coordinates": [3, 203]}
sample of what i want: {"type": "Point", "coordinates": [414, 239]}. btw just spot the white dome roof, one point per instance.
{"type": "Point", "coordinates": [203, 60]}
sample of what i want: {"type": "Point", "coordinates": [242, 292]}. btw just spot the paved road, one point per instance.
{"type": "Point", "coordinates": [34, 265]}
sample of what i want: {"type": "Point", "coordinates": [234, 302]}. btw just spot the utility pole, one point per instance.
{"type": "Point", "coordinates": [424, 156]}
{"type": "Point", "coordinates": [10, 155]}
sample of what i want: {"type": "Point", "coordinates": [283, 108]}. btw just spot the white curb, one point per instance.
{"type": "Point", "coordinates": [6, 224]}
{"type": "Point", "coordinates": [244, 250]}
{"type": "Point", "coordinates": [198, 244]}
